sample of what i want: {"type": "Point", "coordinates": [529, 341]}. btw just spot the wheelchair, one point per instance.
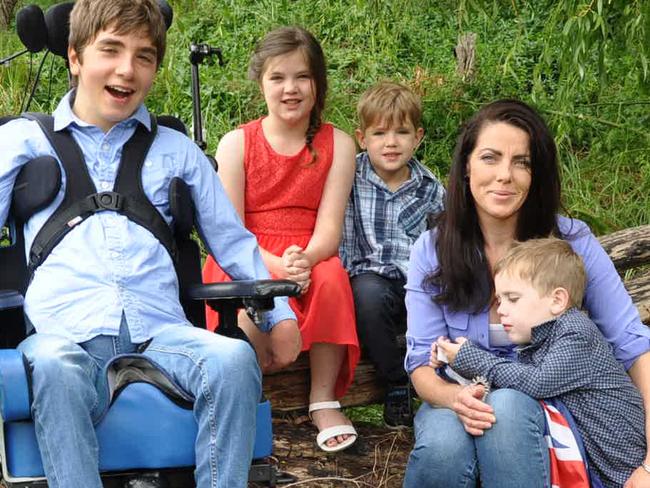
{"type": "Point", "coordinates": [147, 437]}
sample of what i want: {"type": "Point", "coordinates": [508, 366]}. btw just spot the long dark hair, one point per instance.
{"type": "Point", "coordinates": [463, 277]}
{"type": "Point", "coordinates": [285, 40]}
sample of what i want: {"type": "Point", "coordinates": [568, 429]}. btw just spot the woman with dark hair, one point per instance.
{"type": "Point", "coordinates": [504, 186]}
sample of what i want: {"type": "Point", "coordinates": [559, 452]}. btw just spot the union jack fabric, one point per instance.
{"type": "Point", "coordinates": [568, 461]}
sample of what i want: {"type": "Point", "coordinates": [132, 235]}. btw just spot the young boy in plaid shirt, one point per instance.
{"type": "Point", "coordinates": [387, 211]}
{"type": "Point", "coordinates": [539, 285]}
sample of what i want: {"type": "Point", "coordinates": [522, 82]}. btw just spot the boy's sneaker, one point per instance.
{"type": "Point", "coordinates": [398, 408]}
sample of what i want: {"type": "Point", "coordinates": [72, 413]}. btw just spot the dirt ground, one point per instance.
{"type": "Point", "coordinates": [376, 460]}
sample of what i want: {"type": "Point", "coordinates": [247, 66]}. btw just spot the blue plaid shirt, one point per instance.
{"type": "Point", "coordinates": [381, 225]}
{"type": "Point", "coordinates": [570, 360]}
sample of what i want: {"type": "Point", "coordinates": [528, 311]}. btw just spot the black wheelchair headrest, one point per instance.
{"type": "Point", "coordinates": [38, 30]}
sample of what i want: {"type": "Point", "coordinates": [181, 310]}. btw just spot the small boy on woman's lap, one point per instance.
{"type": "Point", "coordinates": [539, 285]}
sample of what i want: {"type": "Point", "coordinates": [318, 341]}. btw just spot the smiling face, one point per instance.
{"type": "Point", "coordinates": [521, 307]}
{"type": "Point", "coordinates": [115, 73]}
{"type": "Point", "coordinates": [390, 145]}
{"type": "Point", "coordinates": [499, 172]}
{"type": "Point", "coordinates": [288, 88]}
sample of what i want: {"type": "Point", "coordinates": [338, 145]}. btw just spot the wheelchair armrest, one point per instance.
{"type": "Point", "coordinates": [255, 296]}
{"type": "Point", "coordinates": [15, 399]}
{"type": "Point", "coordinates": [245, 289]}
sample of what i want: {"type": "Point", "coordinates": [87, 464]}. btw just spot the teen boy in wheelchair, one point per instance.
{"type": "Point", "coordinates": [109, 286]}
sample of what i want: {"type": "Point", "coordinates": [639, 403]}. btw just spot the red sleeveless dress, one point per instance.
{"type": "Point", "coordinates": [280, 204]}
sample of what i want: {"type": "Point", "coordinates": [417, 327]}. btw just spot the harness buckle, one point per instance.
{"type": "Point", "coordinates": [108, 200]}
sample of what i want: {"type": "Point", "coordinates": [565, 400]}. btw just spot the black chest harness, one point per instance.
{"type": "Point", "coordinates": [39, 182]}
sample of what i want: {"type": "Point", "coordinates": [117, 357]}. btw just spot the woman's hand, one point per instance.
{"type": "Point", "coordinates": [640, 479]}
{"type": "Point", "coordinates": [475, 415]}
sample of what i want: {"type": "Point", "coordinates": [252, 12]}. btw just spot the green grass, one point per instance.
{"type": "Point", "coordinates": [602, 127]}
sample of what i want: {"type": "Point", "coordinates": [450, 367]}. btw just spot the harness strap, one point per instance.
{"type": "Point", "coordinates": [81, 199]}
{"type": "Point", "coordinates": [133, 201]}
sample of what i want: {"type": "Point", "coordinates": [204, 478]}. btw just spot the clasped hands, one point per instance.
{"type": "Point", "coordinates": [296, 266]}
{"type": "Point", "coordinates": [475, 415]}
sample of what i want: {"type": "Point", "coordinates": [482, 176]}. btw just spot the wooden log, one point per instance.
{"type": "Point", "coordinates": [639, 289]}
{"type": "Point", "coordinates": [289, 389]}
{"type": "Point", "coordinates": [465, 52]}
{"type": "Point", "coordinates": [628, 248]}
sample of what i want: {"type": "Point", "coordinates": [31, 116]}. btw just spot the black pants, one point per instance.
{"type": "Point", "coordinates": [381, 316]}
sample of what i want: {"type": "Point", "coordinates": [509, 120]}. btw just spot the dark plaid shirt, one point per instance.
{"type": "Point", "coordinates": [570, 360]}
{"type": "Point", "coordinates": [381, 225]}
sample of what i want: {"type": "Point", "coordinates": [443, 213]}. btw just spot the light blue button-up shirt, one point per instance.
{"type": "Point", "coordinates": [108, 265]}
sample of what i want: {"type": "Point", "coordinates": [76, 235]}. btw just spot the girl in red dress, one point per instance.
{"type": "Point", "coordinates": [289, 176]}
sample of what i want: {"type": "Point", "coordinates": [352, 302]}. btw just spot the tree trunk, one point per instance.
{"type": "Point", "coordinates": [6, 12]}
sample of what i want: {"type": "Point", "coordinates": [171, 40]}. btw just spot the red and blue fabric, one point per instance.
{"type": "Point", "coordinates": [569, 466]}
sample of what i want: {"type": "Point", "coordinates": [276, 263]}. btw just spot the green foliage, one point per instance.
{"type": "Point", "coordinates": [583, 64]}
{"type": "Point", "coordinates": [592, 34]}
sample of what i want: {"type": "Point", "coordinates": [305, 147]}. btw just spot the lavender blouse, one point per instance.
{"type": "Point", "coordinates": [606, 301]}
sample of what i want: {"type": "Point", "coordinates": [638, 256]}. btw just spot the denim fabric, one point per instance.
{"type": "Point", "coordinates": [220, 373]}
{"type": "Point", "coordinates": [381, 316]}
{"type": "Point", "coordinates": [511, 454]}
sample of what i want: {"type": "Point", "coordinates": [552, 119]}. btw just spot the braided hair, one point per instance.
{"type": "Point", "coordinates": [285, 40]}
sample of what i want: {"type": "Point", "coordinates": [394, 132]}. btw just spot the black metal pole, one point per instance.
{"type": "Point", "coordinates": [198, 53]}
{"type": "Point", "coordinates": [197, 120]}
{"type": "Point", "coordinates": [13, 56]}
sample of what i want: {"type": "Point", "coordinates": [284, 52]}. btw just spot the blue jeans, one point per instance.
{"type": "Point", "coordinates": [512, 453]}
{"type": "Point", "coordinates": [221, 374]}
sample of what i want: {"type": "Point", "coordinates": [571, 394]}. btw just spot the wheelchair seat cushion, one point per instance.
{"type": "Point", "coordinates": [15, 400]}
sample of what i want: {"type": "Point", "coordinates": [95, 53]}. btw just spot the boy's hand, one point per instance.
{"type": "Point", "coordinates": [436, 360]}
{"type": "Point", "coordinates": [450, 349]}
{"type": "Point", "coordinates": [285, 344]}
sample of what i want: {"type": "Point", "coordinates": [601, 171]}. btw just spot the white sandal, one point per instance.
{"type": "Point", "coordinates": [326, 434]}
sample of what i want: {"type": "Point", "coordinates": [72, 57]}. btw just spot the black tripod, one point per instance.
{"type": "Point", "coordinates": [198, 54]}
